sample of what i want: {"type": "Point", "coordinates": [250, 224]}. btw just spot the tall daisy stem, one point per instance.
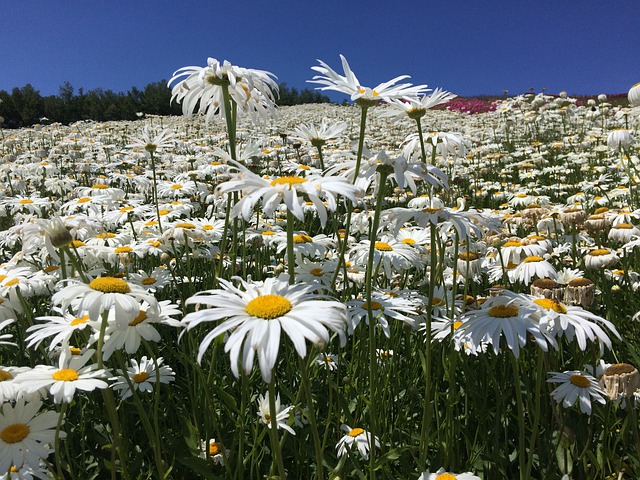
{"type": "Point", "coordinates": [155, 189]}
{"type": "Point", "coordinates": [56, 442]}
{"type": "Point", "coordinates": [273, 431]}
{"type": "Point", "coordinates": [291, 253]}
{"type": "Point", "coordinates": [304, 366]}
{"type": "Point", "coordinates": [373, 364]}
{"type": "Point", "coordinates": [520, 405]}
{"type": "Point", "coordinates": [426, 413]}
{"type": "Point", "coordinates": [536, 412]}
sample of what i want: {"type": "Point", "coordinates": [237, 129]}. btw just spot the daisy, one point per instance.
{"type": "Point", "coordinates": [318, 136]}
{"type": "Point", "coordinates": [140, 328]}
{"type": "Point", "coordinates": [532, 266]}
{"type": "Point", "coordinates": [289, 190]}
{"type": "Point", "coordinates": [362, 439]}
{"type": "Point", "coordinates": [600, 258]}
{"type": "Point", "coordinates": [282, 413]}
{"type": "Point", "coordinates": [159, 278]}
{"type": "Point", "coordinates": [557, 320]}
{"type": "Point", "coordinates": [214, 450]}
{"type": "Point", "coordinates": [151, 143]}
{"type": "Point", "coordinates": [257, 313]}
{"type": "Point", "coordinates": [202, 89]}
{"type": "Point", "coordinates": [328, 361]}
{"type": "Point", "coordinates": [442, 474]}
{"type": "Point", "coordinates": [62, 382]}
{"type": "Point", "coordinates": [61, 328]}
{"type": "Point", "coordinates": [349, 84]}
{"type": "Point", "coordinates": [510, 315]}
{"type": "Point", "coordinates": [416, 107]}
{"type": "Point", "coordinates": [389, 253]}
{"type": "Point", "coordinates": [103, 294]}
{"type": "Point", "coordinates": [143, 376]}
{"type": "Point", "coordinates": [383, 306]}
{"type": "Point", "coordinates": [576, 385]}
{"type": "Point", "coordinates": [9, 390]}
{"type": "Point", "coordinates": [24, 434]}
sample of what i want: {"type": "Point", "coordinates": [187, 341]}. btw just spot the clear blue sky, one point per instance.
{"type": "Point", "coordinates": [468, 47]}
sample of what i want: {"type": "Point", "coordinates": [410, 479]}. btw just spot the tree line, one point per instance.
{"type": "Point", "coordinates": [25, 106]}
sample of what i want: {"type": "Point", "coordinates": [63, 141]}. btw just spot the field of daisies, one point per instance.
{"type": "Point", "coordinates": [380, 290]}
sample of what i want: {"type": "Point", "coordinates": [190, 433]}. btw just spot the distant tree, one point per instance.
{"type": "Point", "coordinates": [291, 96]}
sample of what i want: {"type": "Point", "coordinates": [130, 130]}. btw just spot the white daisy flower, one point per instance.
{"type": "Point", "coordinates": [557, 320]}
{"type": "Point", "coordinates": [442, 474]}
{"type": "Point", "coordinates": [510, 315]}
{"type": "Point", "coordinates": [63, 381]}
{"type": "Point", "coordinates": [282, 413]}
{"type": "Point", "coordinates": [143, 376]}
{"type": "Point", "coordinates": [24, 434]}
{"type": "Point", "coordinates": [256, 315]}
{"type": "Point", "coordinates": [6, 336]}
{"type": "Point", "coordinates": [61, 328]}
{"type": "Point", "coordinates": [103, 294]}
{"type": "Point", "coordinates": [362, 439]}
{"type": "Point", "coordinates": [576, 386]}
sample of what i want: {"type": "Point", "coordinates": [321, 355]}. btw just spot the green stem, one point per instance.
{"type": "Point", "coordinates": [304, 366]}
{"type": "Point", "coordinates": [520, 405]}
{"type": "Point", "coordinates": [273, 431]}
{"type": "Point", "coordinates": [56, 442]}
{"type": "Point", "coordinates": [291, 254]}
{"type": "Point", "coordinates": [155, 189]}
{"type": "Point", "coordinates": [373, 364]}
{"type": "Point", "coordinates": [536, 412]}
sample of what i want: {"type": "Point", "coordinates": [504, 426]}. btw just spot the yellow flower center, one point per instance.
{"type": "Point", "coordinates": [268, 306]}
{"type": "Point", "coordinates": [12, 282]}
{"type": "Point", "coordinates": [4, 375]}
{"type": "Point", "coordinates": [549, 304]}
{"type": "Point", "coordinates": [140, 377]}
{"type": "Point", "coordinates": [185, 225]}
{"type": "Point", "coordinates": [599, 252]}
{"type": "Point", "coordinates": [164, 212]}
{"type": "Point", "coordinates": [624, 226]}
{"type": "Point", "coordinates": [142, 316]}
{"type": "Point", "coordinates": [446, 476]}
{"type": "Point", "coordinates": [100, 186]}
{"type": "Point", "coordinates": [148, 281]}
{"type": "Point", "coordinates": [65, 375]}
{"type": "Point", "coordinates": [355, 432]}
{"type": "Point", "coordinates": [383, 247]}
{"type": "Point", "coordinates": [269, 233]}
{"type": "Point", "coordinates": [457, 325]}
{"type": "Point", "coordinates": [579, 380]}
{"type": "Point", "coordinates": [430, 210]}
{"type": "Point", "coordinates": [77, 243]}
{"type": "Point", "coordinates": [601, 210]}
{"type": "Point", "coordinates": [14, 433]}
{"type": "Point", "coordinates": [110, 285]}
{"type": "Point", "coordinates": [50, 268]}
{"type": "Point", "coordinates": [513, 243]}
{"type": "Point", "coordinates": [503, 311]}
{"type": "Point", "coordinates": [26, 201]}
{"type": "Point", "coordinates": [289, 180]}
{"type": "Point", "coordinates": [79, 321]}
{"type": "Point", "coordinates": [126, 209]}
{"type": "Point", "coordinates": [215, 448]}
{"type": "Point", "coordinates": [176, 186]}
{"type": "Point", "coordinates": [125, 249]}
{"type": "Point", "coordinates": [437, 302]}
{"type": "Point", "coordinates": [374, 305]}
{"type": "Point", "coordinates": [207, 227]}
{"type": "Point", "coordinates": [106, 235]}
{"type": "Point", "coordinates": [533, 259]}
{"type": "Point", "coordinates": [316, 272]}
{"type": "Point", "coordinates": [408, 241]}
{"type": "Point", "coordinates": [302, 238]}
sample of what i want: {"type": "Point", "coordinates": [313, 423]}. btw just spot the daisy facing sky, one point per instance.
{"type": "Point", "coordinates": [258, 312]}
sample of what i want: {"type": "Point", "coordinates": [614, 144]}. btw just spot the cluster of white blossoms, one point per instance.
{"type": "Point", "coordinates": [280, 242]}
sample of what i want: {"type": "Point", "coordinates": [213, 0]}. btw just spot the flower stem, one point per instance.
{"type": "Point", "coordinates": [273, 431]}
{"type": "Point", "coordinates": [291, 254]}
{"type": "Point", "coordinates": [304, 366]}
{"type": "Point", "coordinates": [372, 325]}
{"type": "Point", "coordinates": [520, 405]}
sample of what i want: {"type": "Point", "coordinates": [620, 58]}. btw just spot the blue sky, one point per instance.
{"type": "Point", "coordinates": [467, 47]}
